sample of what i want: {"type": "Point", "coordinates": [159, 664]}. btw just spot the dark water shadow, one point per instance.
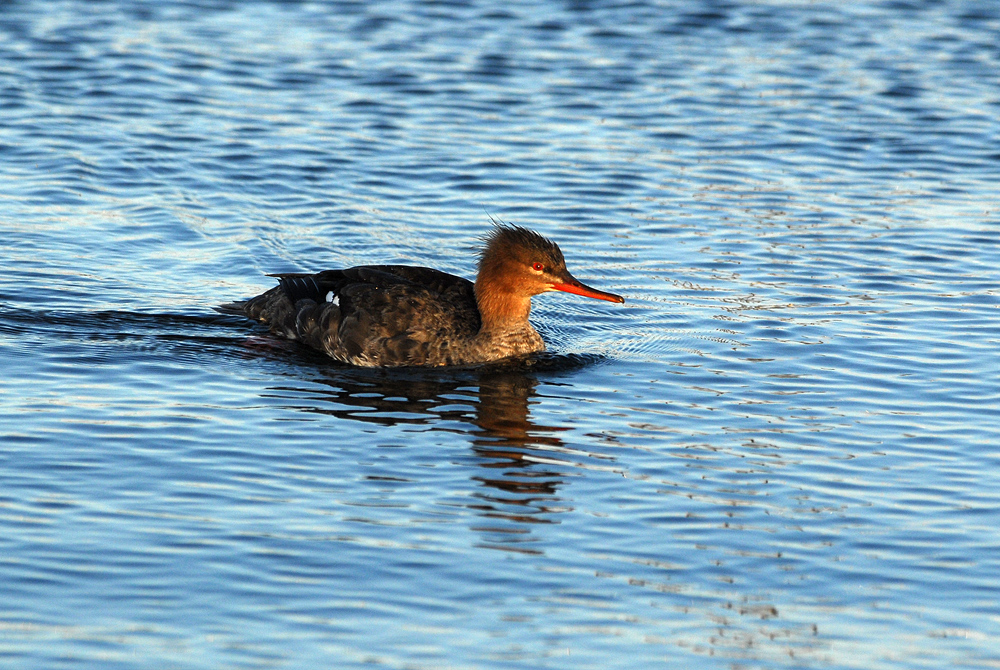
{"type": "Point", "coordinates": [180, 334]}
{"type": "Point", "coordinates": [521, 464]}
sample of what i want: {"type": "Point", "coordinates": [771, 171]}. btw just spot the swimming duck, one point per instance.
{"type": "Point", "coordinates": [400, 315]}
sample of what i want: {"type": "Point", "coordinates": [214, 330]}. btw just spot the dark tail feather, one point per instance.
{"type": "Point", "coordinates": [276, 307]}
{"type": "Point", "coordinates": [234, 308]}
{"type": "Point", "coordinates": [299, 287]}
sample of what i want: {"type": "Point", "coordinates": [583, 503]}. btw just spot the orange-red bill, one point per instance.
{"type": "Point", "coordinates": [582, 289]}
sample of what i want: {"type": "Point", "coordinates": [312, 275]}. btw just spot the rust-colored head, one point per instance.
{"type": "Point", "coordinates": [522, 263]}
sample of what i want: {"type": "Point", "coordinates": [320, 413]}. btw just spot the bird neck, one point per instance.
{"type": "Point", "coordinates": [501, 308]}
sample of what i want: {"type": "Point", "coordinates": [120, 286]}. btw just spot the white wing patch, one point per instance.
{"type": "Point", "coordinates": [333, 297]}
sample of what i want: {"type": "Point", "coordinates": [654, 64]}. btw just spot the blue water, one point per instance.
{"type": "Point", "coordinates": [781, 452]}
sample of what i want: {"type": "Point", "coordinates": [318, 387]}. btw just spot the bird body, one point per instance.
{"type": "Point", "coordinates": [398, 315]}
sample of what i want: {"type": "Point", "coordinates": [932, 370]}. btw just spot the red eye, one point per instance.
{"type": "Point", "coordinates": [538, 267]}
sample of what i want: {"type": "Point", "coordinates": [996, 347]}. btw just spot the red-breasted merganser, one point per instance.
{"type": "Point", "coordinates": [397, 315]}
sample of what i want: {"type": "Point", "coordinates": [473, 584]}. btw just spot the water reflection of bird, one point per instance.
{"type": "Point", "coordinates": [398, 315]}
{"type": "Point", "coordinates": [520, 465]}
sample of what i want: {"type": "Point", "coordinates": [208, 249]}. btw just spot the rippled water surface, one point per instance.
{"type": "Point", "coordinates": [781, 452]}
